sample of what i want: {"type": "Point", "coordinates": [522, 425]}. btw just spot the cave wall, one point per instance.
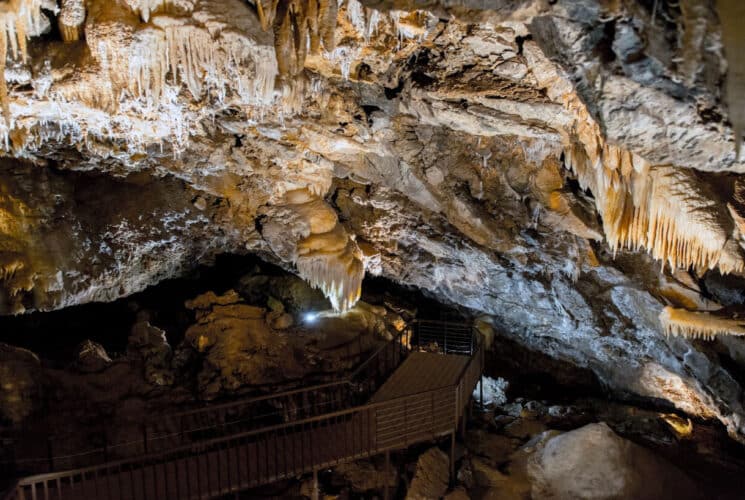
{"type": "Point", "coordinates": [566, 168]}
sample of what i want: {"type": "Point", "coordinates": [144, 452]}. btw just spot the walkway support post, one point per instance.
{"type": "Point", "coordinates": [314, 493]}
{"type": "Point", "coordinates": [387, 475]}
{"type": "Point", "coordinates": [452, 458]}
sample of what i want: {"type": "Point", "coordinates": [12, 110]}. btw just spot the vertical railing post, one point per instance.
{"type": "Point", "coordinates": [387, 475]}
{"type": "Point", "coordinates": [144, 437]}
{"type": "Point", "coordinates": [481, 378]}
{"type": "Point", "coordinates": [452, 457]}
{"type": "Point", "coordinates": [315, 494]}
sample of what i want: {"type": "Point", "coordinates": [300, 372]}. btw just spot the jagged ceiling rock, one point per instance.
{"type": "Point", "coordinates": [567, 168]}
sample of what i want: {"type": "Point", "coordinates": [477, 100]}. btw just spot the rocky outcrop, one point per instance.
{"type": "Point", "coordinates": [20, 383]}
{"type": "Point", "coordinates": [91, 357]}
{"type": "Point", "coordinates": [565, 168]}
{"type": "Point", "coordinates": [149, 345]}
{"type": "Point", "coordinates": [238, 346]}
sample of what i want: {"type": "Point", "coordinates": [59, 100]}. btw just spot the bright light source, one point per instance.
{"type": "Point", "coordinates": [310, 317]}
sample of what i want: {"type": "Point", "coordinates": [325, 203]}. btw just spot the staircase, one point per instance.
{"type": "Point", "coordinates": [393, 400]}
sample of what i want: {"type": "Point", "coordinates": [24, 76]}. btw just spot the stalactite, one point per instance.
{"type": "Point", "coordinates": [3, 85]}
{"type": "Point", "coordinates": [333, 263]}
{"type": "Point", "coordinates": [698, 324]}
{"type": "Point", "coordinates": [326, 256]}
{"type": "Point", "coordinates": [71, 19]}
{"type": "Point", "coordinates": [662, 209]}
{"type": "Point", "coordinates": [18, 19]}
{"type": "Point", "coordinates": [144, 8]}
{"type": "Point", "coordinates": [178, 53]}
{"type": "Point", "coordinates": [731, 15]}
{"type": "Point", "coordinates": [300, 28]}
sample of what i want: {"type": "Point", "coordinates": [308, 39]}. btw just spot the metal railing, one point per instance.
{"type": "Point", "coordinates": [236, 462]}
{"type": "Point", "coordinates": [445, 336]}
{"type": "Point", "coordinates": [371, 374]}
{"type": "Point", "coordinates": [185, 427]}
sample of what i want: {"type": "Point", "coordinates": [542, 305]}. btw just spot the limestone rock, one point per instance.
{"type": "Point", "coordinates": [593, 463]}
{"type": "Point", "coordinates": [20, 383]}
{"type": "Point", "coordinates": [431, 477]}
{"type": "Point", "coordinates": [457, 494]}
{"type": "Point", "coordinates": [493, 449]}
{"type": "Point", "coordinates": [548, 164]}
{"type": "Point", "coordinates": [282, 321]}
{"type": "Point", "coordinates": [149, 344]}
{"type": "Point", "coordinates": [91, 357]}
{"type": "Point", "coordinates": [365, 476]}
{"type": "Point", "coordinates": [238, 345]}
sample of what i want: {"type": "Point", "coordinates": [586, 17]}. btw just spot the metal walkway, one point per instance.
{"type": "Point", "coordinates": [424, 399]}
{"type": "Point", "coordinates": [422, 372]}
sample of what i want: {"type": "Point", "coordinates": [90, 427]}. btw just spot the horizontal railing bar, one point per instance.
{"type": "Point", "coordinates": [397, 422]}
{"type": "Point", "coordinates": [216, 441]}
{"type": "Point", "coordinates": [396, 340]}
{"type": "Point", "coordinates": [234, 404]}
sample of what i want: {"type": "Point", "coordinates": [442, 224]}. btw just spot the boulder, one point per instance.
{"type": "Point", "coordinates": [282, 321]}
{"type": "Point", "coordinates": [366, 475]}
{"type": "Point", "coordinates": [593, 462]}
{"type": "Point", "coordinates": [237, 345]}
{"type": "Point", "coordinates": [431, 477]}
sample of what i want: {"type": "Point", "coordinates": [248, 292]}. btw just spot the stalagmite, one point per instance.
{"type": "Point", "coordinates": [699, 325]}
{"type": "Point", "coordinates": [71, 19]}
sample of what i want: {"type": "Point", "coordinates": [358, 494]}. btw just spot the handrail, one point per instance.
{"type": "Point", "coordinates": [451, 337]}
{"type": "Point", "coordinates": [255, 399]}
{"type": "Point", "coordinates": [394, 341]}
{"type": "Point", "coordinates": [371, 427]}
{"type": "Point", "coordinates": [149, 425]}
{"type": "Point", "coordinates": [222, 439]}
